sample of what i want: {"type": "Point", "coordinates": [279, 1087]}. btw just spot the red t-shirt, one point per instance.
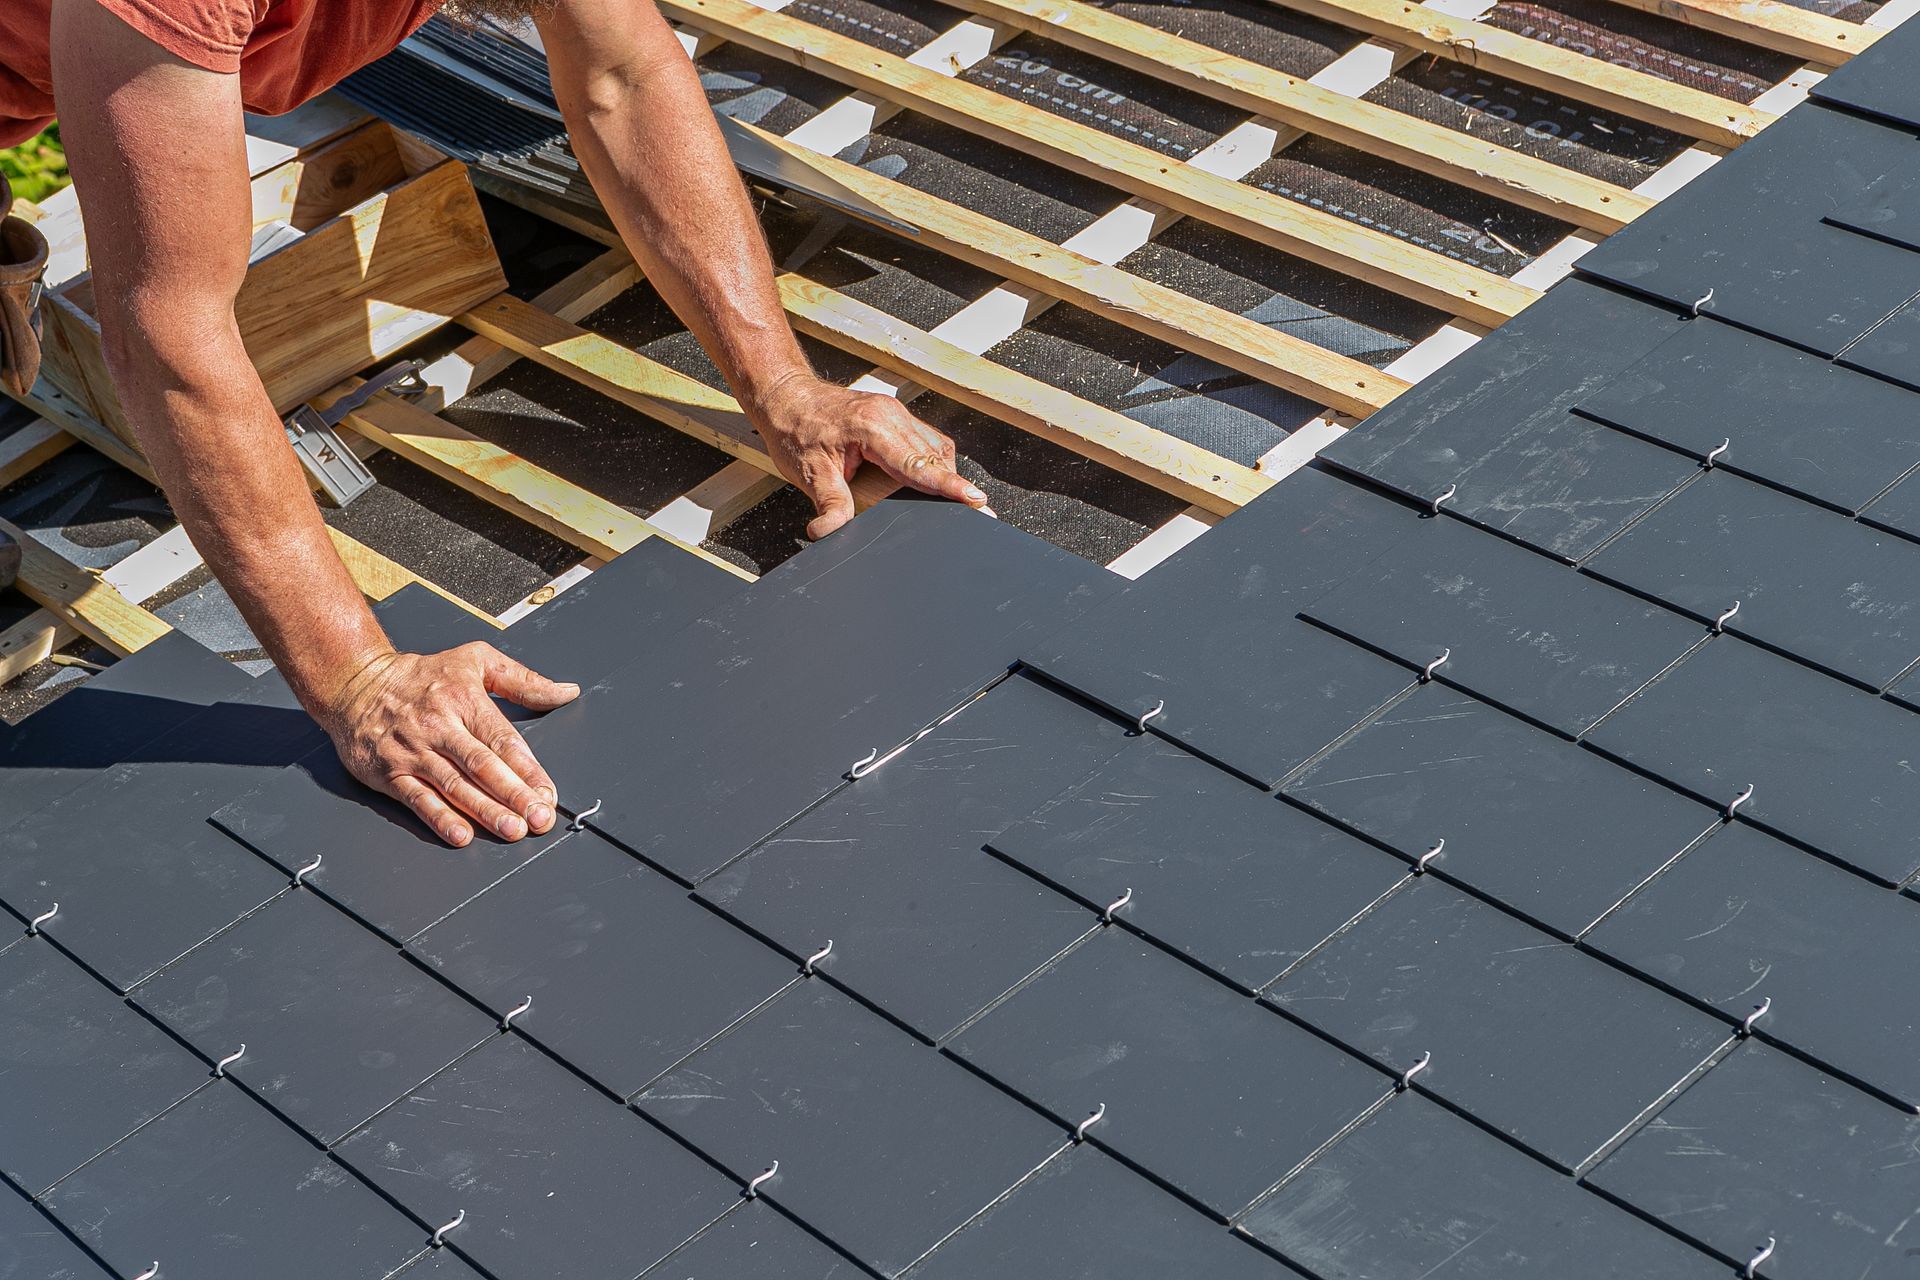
{"type": "Point", "coordinates": [285, 51]}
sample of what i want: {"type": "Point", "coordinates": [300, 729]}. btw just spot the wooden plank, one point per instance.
{"type": "Point", "coordinates": [1771, 24]}
{"type": "Point", "coordinates": [624, 375]}
{"type": "Point", "coordinates": [1334, 242]}
{"type": "Point", "coordinates": [1118, 295]}
{"type": "Point", "coordinates": [1164, 461]}
{"type": "Point", "coordinates": [27, 448]}
{"type": "Point", "coordinates": [1693, 113]}
{"type": "Point", "coordinates": [1421, 145]}
{"type": "Point", "coordinates": [32, 640]}
{"type": "Point", "coordinates": [308, 190]}
{"type": "Point", "coordinates": [716, 502]}
{"type": "Point", "coordinates": [95, 609]}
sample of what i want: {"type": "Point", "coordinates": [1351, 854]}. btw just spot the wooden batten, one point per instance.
{"type": "Point", "coordinates": [1771, 24]}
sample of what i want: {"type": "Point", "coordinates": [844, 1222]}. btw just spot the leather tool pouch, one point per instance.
{"type": "Point", "coordinates": [23, 265]}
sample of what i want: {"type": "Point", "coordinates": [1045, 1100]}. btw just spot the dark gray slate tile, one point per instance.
{"type": "Point", "coordinates": [1203, 1088]}
{"type": "Point", "coordinates": [1828, 764]}
{"type": "Point", "coordinates": [81, 1070]}
{"type": "Point", "coordinates": [217, 1187]}
{"type": "Point", "coordinates": [1898, 509]}
{"type": "Point", "coordinates": [336, 1023]}
{"type": "Point", "coordinates": [1416, 1191]}
{"type": "Point", "coordinates": [33, 1248]}
{"type": "Point", "coordinates": [1891, 350]}
{"type": "Point", "coordinates": [1551, 830]}
{"type": "Point", "coordinates": [1879, 84]}
{"type": "Point", "coordinates": [378, 861]}
{"type": "Point", "coordinates": [1764, 1146]}
{"type": "Point", "coordinates": [884, 1146]}
{"type": "Point", "coordinates": [1085, 1216]}
{"type": "Point", "coordinates": [1808, 581]}
{"type": "Point", "coordinates": [924, 923]}
{"type": "Point", "coordinates": [107, 720]}
{"type": "Point", "coordinates": [1712, 384]}
{"type": "Point", "coordinates": [1516, 628]}
{"type": "Point", "coordinates": [1494, 424]}
{"type": "Point", "coordinates": [753, 1242]}
{"type": "Point", "coordinates": [1745, 918]}
{"type": "Point", "coordinates": [544, 1166]}
{"type": "Point", "coordinates": [942, 603]}
{"type": "Point", "coordinates": [1538, 1040]}
{"type": "Point", "coordinates": [1218, 871]}
{"type": "Point", "coordinates": [1752, 231]}
{"type": "Point", "coordinates": [437, 1264]}
{"type": "Point", "coordinates": [1888, 209]}
{"type": "Point", "coordinates": [627, 976]}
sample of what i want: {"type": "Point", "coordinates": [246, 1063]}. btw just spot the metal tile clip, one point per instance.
{"type": "Point", "coordinates": [220, 1067]}
{"type": "Point", "coordinates": [753, 1188]}
{"type": "Point", "coordinates": [300, 876]}
{"type": "Point", "coordinates": [506, 1023]}
{"type": "Point", "coordinates": [1733, 806]}
{"type": "Point", "coordinates": [816, 958]}
{"type": "Point", "coordinates": [1140, 725]}
{"type": "Point", "coordinates": [1702, 301]}
{"type": "Point", "coordinates": [440, 1233]}
{"type": "Point", "coordinates": [1426, 673]}
{"type": "Point", "coordinates": [1447, 496]}
{"type": "Point", "coordinates": [1753, 1264]}
{"type": "Point", "coordinates": [579, 822]}
{"type": "Point", "coordinates": [1094, 1117]}
{"type": "Point", "coordinates": [153, 1269]}
{"type": "Point", "coordinates": [33, 925]}
{"type": "Point", "coordinates": [1725, 445]}
{"type": "Point", "coordinates": [1760, 1011]}
{"type": "Point", "coordinates": [1420, 867]}
{"type": "Point", "coordinates": [1406, 1077]}
{"type": "Point", "coordinates": [1106, 917]}
{"type": "Point", "coordinates": [1720, 623]}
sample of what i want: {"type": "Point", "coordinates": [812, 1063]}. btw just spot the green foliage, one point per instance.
{"type": "Point", "coordinates": [37, 168]}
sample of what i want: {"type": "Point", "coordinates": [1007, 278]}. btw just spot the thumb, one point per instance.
{"type": "Point", "coordinates": [834, 502]}
{"type": "Point", "coordinates": [523, 685]}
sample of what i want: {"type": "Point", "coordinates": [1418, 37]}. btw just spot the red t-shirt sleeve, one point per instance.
{"type": "Point", "coordinates": [207, 33]}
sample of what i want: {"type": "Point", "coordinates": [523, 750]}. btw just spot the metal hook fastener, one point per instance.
{"type": "Point", "coordinates": [1725, 445]}
{"type": "Point", "coordinates": [153, 1269]}
{"type": "Point", "coordinates": [300, 876]}
{"type": "Point", "coordinates": [1420, 867]}
{"type": "Point", "coordinates": [1426, 673]}
{"type": "Point", "coordinates": [1760, 1011]}
{"type": "Point", "coordinates": [1720, 623]}
{"type": "Point", "coordinates": [1140, 725]}
{"type": "Point", "coordinates": [506, 1023]}
{"type": "Point", "coordinates": [440, 1234]}
{"type": "Point", "coordinates": [1106, 917]}
{"type": "Point", "coordinates": [816, 958]}
{"type": "Point", "coordinates": [1705, 298]}
{"type": "Point", "coordinates": [753, 1188]}
{"type": "Point", "coordinates": [1406, 1077]}
{"type": "Point", "coordinates": [33, 925]}
{"type": "Point", "coordinates": [865, 765]}
{"type": "Point", "coordinates": [220, 1067]}
{"type": "Point", "coordinates": [1444, 497]}
{"type": "Point", "coordinates": [1733, 806]}
{"type": "Point", "coordinates": [1753, 1264]}
{"type": "Point", "coordinates": [1094, 1117]}
{"type": "Point", "coordinates": [579, 822]}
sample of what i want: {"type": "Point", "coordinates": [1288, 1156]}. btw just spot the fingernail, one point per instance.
{"type": "Point", "coordinates": [458, 837]}
{"type": "Point", "coordinates": [989, 511]}
{"type": "Point", "coordinates": [975, 496]}
{"type": "Point", "coordinates": [539, 817]}
{"type": "Point", "coordinates": [510, 827]}
{"type": "Point", "coordinates": [570, 689]}
{"type": "Point", "coordinates": [548, 794]}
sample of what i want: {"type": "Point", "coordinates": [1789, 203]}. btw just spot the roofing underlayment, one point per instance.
{"type": "Point", "coordinates": [1490, 853]}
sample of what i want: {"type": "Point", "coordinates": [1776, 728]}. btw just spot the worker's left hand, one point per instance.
{"type": "Point", "coordinates": [819, 434]}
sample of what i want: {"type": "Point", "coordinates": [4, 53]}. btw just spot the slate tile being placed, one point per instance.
{"type": "Point", "coordinates": [1542, 1042]}
{"type": "Point", "coordinates": [1769, 403]}
{"type": "Point", "coordinates": [626, 974]}
{"type": "Point", "coordinates": [709, 741]}
{"type": "Point", "coordinates": [1494, 424]}
{"type": "Point", "coordinates": [924, 923]}
{"type": "Point", "coordinates": [1753, 233]}
{"type": "Point", "coordinates": [884, 1146]}
{"type": "Point", "coordinates": [1515, 627]}
{"type": "Point", "coordinates": [1808, 581]}
{"type": "Point", "coordinates": [545, 1167]}
{"type": "Point", "coordinates": [1881, 85]}
{"type": "Point", "coordinates": [336, 1023]}
{"type": "Point", "coordinates": [1765, 1146]}
{"type": "Point", "coordinates": [32, 1247]}
{"type": "Point", "coordinates": [1830, 765]}
{"type": "Point", "coordinates": [1217, 870]}
{"type": "Point", "coordinates": [1203, 1087]}
{"type": "Point", "coordinates": [1199, 632]}
{"type": "Point", "coordinates": [1552, 831]}
{"type": "Point", "coordinates": [1417, 1191]}
{"type": "Point", "coordinates": [1891, 349]}
{"type": "Point", "coordinates": [1085, 1216]}
{"type": "Point", "coordinates": [1745, 918]}
{"type": "Point", "coordinates": [218, 1188]}
{"type": "Point", "coordinates": [753, 1242]}
{"type": "Point", "coordinates": [80, 1070]}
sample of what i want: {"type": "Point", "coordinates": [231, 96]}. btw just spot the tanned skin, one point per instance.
{"type": "Point", "coordinates": [157, 149]}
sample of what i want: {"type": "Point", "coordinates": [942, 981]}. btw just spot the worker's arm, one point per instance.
{"type": "Point", "coordinates": [158, 151]}
{"type": "Point", "coordinates": [642, 129]}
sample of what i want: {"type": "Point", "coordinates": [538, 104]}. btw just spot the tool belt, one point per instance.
{"type": "Point", "coordinates": [23, 266]}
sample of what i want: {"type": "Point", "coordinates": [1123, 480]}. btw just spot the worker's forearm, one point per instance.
{"type": "Point", "coordinates": [206, 425]}
{"type": "Point", "coordinates": [650, 144]}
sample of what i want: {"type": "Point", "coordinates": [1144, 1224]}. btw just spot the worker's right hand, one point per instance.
{"type": "Point", "coordinates": [423, 728]}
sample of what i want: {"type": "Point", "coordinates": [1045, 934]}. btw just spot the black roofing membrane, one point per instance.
{"type": "Point", "coordinates": [1645, 42]}
{"type": "Point", "coordinates": [1286, 41]}
{"type": "Point", "coordinates": [899, 27]}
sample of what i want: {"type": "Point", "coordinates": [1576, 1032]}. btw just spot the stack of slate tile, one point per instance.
{"type": "Point", "coordinates": [1493, 854]}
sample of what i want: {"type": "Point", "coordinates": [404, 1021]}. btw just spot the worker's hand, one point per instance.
{"type": "Point", "coordinates": [422, 728]}
{"type": "Point", "coordinates": [819, 434]}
